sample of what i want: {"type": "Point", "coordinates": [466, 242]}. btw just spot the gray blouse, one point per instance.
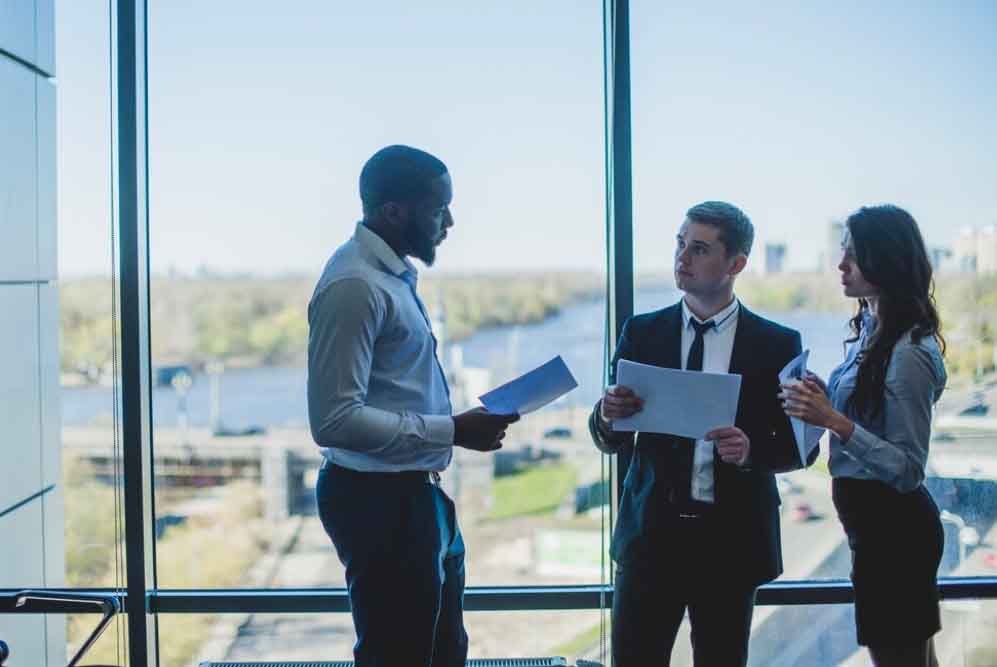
{"type": "Point", "coordinates": [893, 446]}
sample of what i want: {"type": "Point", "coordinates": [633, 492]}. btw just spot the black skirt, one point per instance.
{"type": "Point", "coordinates": [896, 541]}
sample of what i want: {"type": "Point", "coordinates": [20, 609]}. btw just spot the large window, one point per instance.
{"type": "Point", "coordinates": [259, 123]}
{"type": "Point", "coordinates": [89, 302]}
{"type": "Point", "coordinates": [800, 115]}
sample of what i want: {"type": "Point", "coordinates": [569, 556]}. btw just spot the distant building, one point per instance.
{"type": "Point", "coordinates": [775, 257]}
{"type": "Point", "coordinates": [975, 250]}
{"type": "Point", "coordinates": [986, 250]}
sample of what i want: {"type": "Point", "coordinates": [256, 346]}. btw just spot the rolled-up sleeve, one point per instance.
{"type": "Point", "coordinates": [899, 457]}
{"type": "Point", "coordinates": [345, 320]}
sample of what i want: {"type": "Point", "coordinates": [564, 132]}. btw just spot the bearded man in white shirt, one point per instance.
{"type": "Point", "coordinates": [379, 407]}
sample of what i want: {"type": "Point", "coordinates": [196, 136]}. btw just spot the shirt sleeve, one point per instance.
{"type": "Point", "coordinates": [605, 439]}
{"type": "Point", "coordinates": [345, 321]}
{"type": "Point", "coordinates": [900, 456]}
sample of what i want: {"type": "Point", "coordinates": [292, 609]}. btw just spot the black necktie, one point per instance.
{"type": "Point", "coordinates": [687, 448]}
{"type": "Point", "coordinates": [695, 360]}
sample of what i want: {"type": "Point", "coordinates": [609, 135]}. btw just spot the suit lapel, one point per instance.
{"type": "Point", "coordinates": [666, 348]}
{"type": "Point", "coordinates": [741, 354]}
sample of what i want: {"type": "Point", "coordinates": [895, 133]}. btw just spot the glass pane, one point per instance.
{"type": "Point", "coordinates": [825, 635]}
{"type": "Point", "coordinates": [800, 116]}
{"type": "Point", "coordinates": [189, 639]}
{"type": "Point", "coordinates": [255, 186]}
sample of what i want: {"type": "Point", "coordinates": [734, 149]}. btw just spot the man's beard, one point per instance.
{"type": "Point", "coordinates": [421, 246]}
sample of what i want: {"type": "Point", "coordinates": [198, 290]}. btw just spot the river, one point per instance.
{"type": "Point", "coordinates": [275, 396]}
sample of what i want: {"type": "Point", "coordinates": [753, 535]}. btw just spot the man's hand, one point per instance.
{"type": "Point", "coordinates": [480, 430]}
{"type": "Point", "coordinates": [619, 402]}
{"type": "Point", "coordinates": [733, 445]}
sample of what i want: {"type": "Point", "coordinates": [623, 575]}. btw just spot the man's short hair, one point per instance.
{"type": "Point", "coordinates": [736, 231]}
{"type": "Point", "coordinates": [400, 174]}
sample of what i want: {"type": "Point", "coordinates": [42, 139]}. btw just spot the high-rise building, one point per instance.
{"type": "Point", "coordinates": [775, 257]}
{"type": "Point", "coordinates": [964, 251]}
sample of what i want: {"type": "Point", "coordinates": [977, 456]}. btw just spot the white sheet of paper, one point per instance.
{"type": "Point", "coordinates": [531, 391]}
{"type": "Point", "coordinates": [807, 435]}
{"type": "Point", "coordinates": [685, 403]}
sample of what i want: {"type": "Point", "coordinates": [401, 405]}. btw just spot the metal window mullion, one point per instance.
{"type": "Point", "coordinates": [493, 598]}
{"type": "Point", "coordinates": [130, 126]}
{"type": "Point", "coordinates": [619, 184]}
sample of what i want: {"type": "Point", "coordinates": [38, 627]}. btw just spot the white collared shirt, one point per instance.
{"type": "Point", "coordinates": [718, 345]}
{"type": "Point", "coordinates": [377, 396]}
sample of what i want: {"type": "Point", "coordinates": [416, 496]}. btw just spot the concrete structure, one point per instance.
{"type": "Point", "coordinates": [775, 257]}
{"type": "Point", "coordinates": [31, 528]}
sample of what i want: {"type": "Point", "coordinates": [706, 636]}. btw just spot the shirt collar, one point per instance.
{"type": "Point", "coordinates": [383, 252]}
{"type": "Point", "coordinates": [724, 319]}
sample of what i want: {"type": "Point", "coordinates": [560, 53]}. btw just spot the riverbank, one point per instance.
{"type": "Point", "coordinates": [252, 321]}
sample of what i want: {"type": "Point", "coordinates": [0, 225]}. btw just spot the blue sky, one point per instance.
{"type": "Point", "coordinates": [261, 117]}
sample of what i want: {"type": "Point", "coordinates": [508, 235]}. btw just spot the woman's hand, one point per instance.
{"type": "Point", "coordinates": [820, 383]}
{"type": "Point", "coordinates": [807, 400]}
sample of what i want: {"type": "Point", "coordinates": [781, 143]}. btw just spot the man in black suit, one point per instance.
{"type": "Point", "coordinates": [698, 525]}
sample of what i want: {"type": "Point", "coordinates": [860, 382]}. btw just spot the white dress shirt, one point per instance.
{"type": "Point", "coordinates": [377, 397]}
{"type": "Point", "coordinates": [718, 345]}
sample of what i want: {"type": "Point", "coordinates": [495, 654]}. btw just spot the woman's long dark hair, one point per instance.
{"type": "Point", "coordinates": [890, 253]}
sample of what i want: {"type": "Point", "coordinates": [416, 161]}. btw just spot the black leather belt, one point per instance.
{"type": "Point", "coordinates": [430, 476]}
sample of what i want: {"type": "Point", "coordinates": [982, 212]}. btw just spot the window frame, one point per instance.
{"type": "Point", "coordinates": [141, 599]}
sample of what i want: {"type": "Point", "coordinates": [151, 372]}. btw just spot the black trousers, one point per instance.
{"type": "Point", "coordinates": [398, 537]}
{"type": "Point", "coordinates": [655, 588]}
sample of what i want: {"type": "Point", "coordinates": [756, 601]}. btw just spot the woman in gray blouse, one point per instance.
{"type": "Point", "coordinates": [877, 406]}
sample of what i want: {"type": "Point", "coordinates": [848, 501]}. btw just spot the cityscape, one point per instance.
{"type": "Point", "coordinates": [973, 251]}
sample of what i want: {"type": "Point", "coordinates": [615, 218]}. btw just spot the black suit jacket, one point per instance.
{"type": "Point", "coordinates": [744, 535]}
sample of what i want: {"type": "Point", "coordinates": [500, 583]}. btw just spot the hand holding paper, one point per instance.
{"type": "Point", "coordinates": [683, 403]}
{"type": "Point", "coordinates": [807, 435]}
{"type": "Point", "coordinates": [620, 402]}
